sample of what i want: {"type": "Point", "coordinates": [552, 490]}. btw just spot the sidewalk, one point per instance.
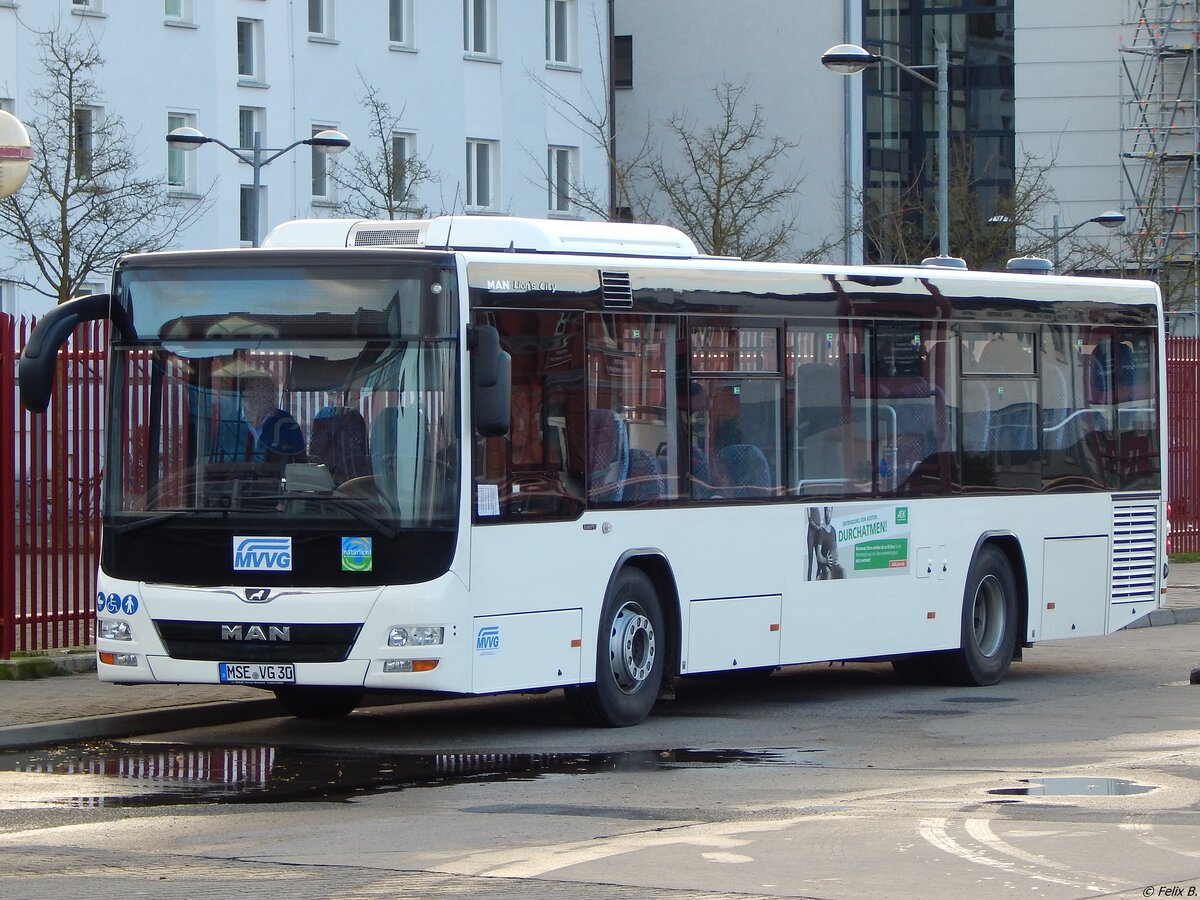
{"type": "Point", "coordinates": [78, 706]}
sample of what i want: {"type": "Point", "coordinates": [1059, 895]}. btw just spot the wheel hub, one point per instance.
{"type": "Point", "coordinates": [988, 616]}
{"type": "Point", "coordinates": [631, 647]}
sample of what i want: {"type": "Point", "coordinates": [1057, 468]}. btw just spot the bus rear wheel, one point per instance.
{"type": "Point", "coordinates": [319, 702]}
{"type": "Point", "coordinates": [630, 655]}
{"type": "Point", "coordinates": [989, 624]}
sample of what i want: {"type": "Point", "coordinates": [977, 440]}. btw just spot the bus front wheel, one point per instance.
{"type": "Point", "coordinates": [630, 655]}
{"type": "Point", "coordinates": [989, 624]}
{"type": "Point", "coordinates": [319, 702]}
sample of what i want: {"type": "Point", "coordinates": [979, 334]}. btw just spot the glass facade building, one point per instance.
{"type": "Point", "coordinates": [900, 112]}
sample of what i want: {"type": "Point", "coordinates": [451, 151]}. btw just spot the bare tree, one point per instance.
{"type": "Point", "coordinates": [727, 192]}
{"type": "Point", "coordinates": [900, 225]}
{"type": "Point", "coordinates": [85, 202]}
{"type": "Point", "coordinates": [383, 181]}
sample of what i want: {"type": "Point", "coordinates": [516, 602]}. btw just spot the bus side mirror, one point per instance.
{"type": "Point", "coordinates": [40, 356]}
{"type": "Point", "coordinates": [491, 378]}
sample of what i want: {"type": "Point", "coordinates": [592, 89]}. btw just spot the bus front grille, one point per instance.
{"type": "Point", "coordinates": [256, 642]}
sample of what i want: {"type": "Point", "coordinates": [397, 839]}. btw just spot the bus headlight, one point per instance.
{"type": "Point", "coordinates": [415, 635]}
{"type": "Point", "coordinates": [115, 630]}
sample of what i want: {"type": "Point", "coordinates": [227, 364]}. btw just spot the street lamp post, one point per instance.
{"type": "Point", "coordinates": [1109, 219]}
{"type": "Point", "coordinates": [850, 59]}
{"type": "Point", "coordinates": [15, 154]}
{"type": "Point", "coordinates": [329, 142]}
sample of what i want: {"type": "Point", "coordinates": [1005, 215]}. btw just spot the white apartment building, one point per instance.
{"type": "Point", "coordinates": [484, 90]}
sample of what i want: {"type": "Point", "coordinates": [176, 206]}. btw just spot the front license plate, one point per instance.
{"type": "Point", "coordinates": [257, 673]}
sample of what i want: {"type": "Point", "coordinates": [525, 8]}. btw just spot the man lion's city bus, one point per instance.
{"type": "Point", "coordinates": [471, 455]}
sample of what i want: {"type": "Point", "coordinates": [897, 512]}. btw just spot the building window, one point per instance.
{"type": "Point", "coordinates": [622, 61]}
{"type": "Point", "coordinates": [83, 138]}
{"type": "Point", "coordinates": [320, 19]}
{"type": "Point", "coordinates": [250, 122]}
{"type": "Point", "coordinates": [560, 32]}
{"type": "Point", "coordinates": [402, 150]}
{"type": "Point", "coordinates": [322, 163]}
{"type": "Point", "coordinates": [479, 27]}
{"type": "Point", "coordinates": [247, 222]}
{"type": "Point", "coordinates": [560, 163]}
{"type": "Point", "coordinates": [87, 7]}
{"type": "Point", "coordinates": [400, 15]}
{"type": "Point", "coordinates": [481, 187]}
{"type": "Point", "coordinates": [179, 11]}
{"type": "Point", "coordinates": [181, 173]}
{"type": "Point", "coordinates": [249, 49]}
{"type": "Point", "coordinates": [8, 297]}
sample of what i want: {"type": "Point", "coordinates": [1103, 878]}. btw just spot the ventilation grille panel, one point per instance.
{"type": "Point", "coordinates": [1135, 560]}
{"type": "Point", "coordinates": [617, 290]}
{"type": "Point", "coordinates": [387, 237]}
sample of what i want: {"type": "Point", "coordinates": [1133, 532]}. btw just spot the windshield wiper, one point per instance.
{"type": "Point", "coordinates": [359, 509]}
{"type": "Point", "coordinates": [352, 506]}
{"type": "Point", "coordinates": [157, 518]}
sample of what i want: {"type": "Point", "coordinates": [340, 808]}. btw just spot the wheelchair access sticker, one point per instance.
{"type": "Point", "coordinates": [115, 603]}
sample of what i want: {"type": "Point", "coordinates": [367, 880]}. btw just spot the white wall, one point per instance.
{"type": "Point", "coordinates": [1068, 71]}
{"type": "Point", "coordinates": [152, 66]}
{"type": "Point", "coordinates": [682, 49]}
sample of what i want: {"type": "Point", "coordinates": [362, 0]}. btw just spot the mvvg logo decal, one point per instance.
{"type": "Point", "coordinates": [262, 554]}
{"type": "Point", "coordinates": [488, 639]}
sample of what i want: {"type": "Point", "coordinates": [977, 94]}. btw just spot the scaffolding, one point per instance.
{"type": "Point", "coordinates": [1160, 147]}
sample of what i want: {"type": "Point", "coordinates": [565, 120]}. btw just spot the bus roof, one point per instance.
{"type": "Point", "coordinates": [486, 233]}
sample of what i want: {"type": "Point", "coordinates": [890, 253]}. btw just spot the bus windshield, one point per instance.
{"type": "Point", "coordinates": [330, 405]}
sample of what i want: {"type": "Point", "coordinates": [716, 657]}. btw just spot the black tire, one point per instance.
{"type": "Point", "coordinates": [630, 655]}
{"type": "Point", "coordinates": [319, 702]}
{"type": "Point", "coordinates": [989, 624]}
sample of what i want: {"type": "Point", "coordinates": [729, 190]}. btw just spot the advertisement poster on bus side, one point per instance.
{"type": "Point", "coordinates": [857, 542]}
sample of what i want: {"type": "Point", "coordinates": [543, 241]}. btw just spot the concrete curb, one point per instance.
{"type": "Point", "coordinates": [59, 662]}
{"type": "Point", "coordinates": [144, 722]}
{"type": "Point", "coordinates": [1167, 616]}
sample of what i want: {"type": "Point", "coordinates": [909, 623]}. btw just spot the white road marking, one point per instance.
{"type": "Point", "coordinates": [934, 831]}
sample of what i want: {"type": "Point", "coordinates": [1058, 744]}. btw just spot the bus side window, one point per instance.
{"type": "Point", "coordinates": [736, 379]}
{"type": "Point", "coordinates": [633, 416]}
{"type": "Point", "coordinates": [535, 471]}
{"type": "Point", "coordinates": [912, 415]}
{"type": "Point", "coordinates": [829, 444]}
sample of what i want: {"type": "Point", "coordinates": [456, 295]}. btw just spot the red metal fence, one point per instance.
{"type": "Point", "coordinates": [49, 546]}
{"type": "Point", "coordinates": [1183, 454]}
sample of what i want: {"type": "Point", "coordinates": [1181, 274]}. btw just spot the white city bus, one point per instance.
{"type": "Point", "coordinates": [472, 455]}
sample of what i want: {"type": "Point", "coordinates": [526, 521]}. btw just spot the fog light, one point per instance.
{"type": "Point", "coordinates": [415, 635]}
{"type": "Point", "coordinates": [118, 659]}
{"type": "Point", "coordinates": [409, 665]}
{"type": "Point", "coordinates": [115, 630]}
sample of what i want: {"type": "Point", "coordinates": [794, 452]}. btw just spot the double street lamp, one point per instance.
{"type": "Point", "coordinates": [850, 59]}
{"type": "Point", "coordinates": [328, 142]}
{"type": "Point", "coordinates": [1109, 219]}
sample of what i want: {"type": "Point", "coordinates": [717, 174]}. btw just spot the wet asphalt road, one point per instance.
{"type": "Point", "coordinates": [1079, 776]}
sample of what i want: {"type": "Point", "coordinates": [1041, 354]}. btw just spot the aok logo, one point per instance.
{"type": "Point", "coordinates": [262, 554]}
{"type": "Point", "coordinates": [488, 638]}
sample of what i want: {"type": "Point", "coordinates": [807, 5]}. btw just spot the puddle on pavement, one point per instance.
{"type": "Point", "coordinates": [1075, 787]}
{"type": "Point", "coordinates": [112, 775]}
